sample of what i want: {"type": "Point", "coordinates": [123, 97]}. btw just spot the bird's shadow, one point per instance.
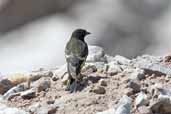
{"type": "Point", "coordinates": [86, 79]}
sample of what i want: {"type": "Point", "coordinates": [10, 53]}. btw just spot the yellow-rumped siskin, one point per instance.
{"type": "Point", "coordinates": [76, 52]}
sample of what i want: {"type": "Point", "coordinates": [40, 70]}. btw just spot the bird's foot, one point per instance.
{"type": "Point", "coordinates": [74, 87]}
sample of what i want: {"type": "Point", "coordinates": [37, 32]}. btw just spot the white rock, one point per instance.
{"type": "Point", "coordinates": [96, 54]}
{"type": "Point", "coordinates": [121, 60]}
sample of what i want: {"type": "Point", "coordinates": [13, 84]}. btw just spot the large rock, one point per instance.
{"type": "Point", "coordinates": [37, 75]}
{"type": "Point", "coordinates": [19, 88]}
{"type": "Point", "coordinates": [152, 65]}
{"type": "Point", "coordinates": [96, 54]}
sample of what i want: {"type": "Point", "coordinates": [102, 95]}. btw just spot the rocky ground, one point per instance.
{"type": "Point", "coordinates": [110, 85]}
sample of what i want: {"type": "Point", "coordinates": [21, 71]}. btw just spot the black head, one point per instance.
{"type": "Point", "coordinates": [80, 34]}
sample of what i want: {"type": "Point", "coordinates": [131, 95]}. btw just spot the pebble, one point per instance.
{"type": "Point", "coordinates": [134, 85]}
{"type": "Point", "coordinates": [141, 99]}
{"type": "Point", "coordinates": [102, 82]}
{"type": "Point", "coordinates": [99, 90]}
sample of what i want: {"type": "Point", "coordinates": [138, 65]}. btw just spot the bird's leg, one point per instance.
{"type": "Point", "coordinates": [69, 83]}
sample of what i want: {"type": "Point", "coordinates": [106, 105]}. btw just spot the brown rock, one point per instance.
{"type": "Point", "coordinates": [5, 85]}
{"type": "Point", "coordinates": [167, 59]}
{"type": "Point", "coordinates": [102, 82]}
{"type": "Point", "coordinates": [99, 90]}
{"type": "Point", "coordinates": [129, 91]}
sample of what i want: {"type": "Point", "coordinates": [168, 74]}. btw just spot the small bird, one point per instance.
{"type": "Point", "coordinates": [76, 52]}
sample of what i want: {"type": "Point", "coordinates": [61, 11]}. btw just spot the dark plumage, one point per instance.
{"type": "Point", "coordinates": [76, 52]}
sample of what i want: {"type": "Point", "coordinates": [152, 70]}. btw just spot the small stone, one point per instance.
{"type": "Point", "coordinates": [113, 68]}
{"type": "Point", "coordinates": [54, 78]}
{"type": "Point", "coordinates": [31, 93]}
{"type": "Point", "coordinates": [34, 107]}
{"type": "Point", "coordinates": [42, 84]}
{"type": "Point", "coordinates": [144, 110]}
{"type": "Point", "coordinates": [51, 102]}
{"type": "Point", "coordinates": [129, 92]}
{"type": "Point", "coordinates": [99, 90]}
{"type": "Point", "coordinates": [110, 111]}
{"type": "Point", "coordinates": [52, 110]}
{"type": "Point", "coordinates": [103, 82]}
{"type": "Point", "coordinates": [138, 74]}
{"type": "Point", "coordinates": [37, 75]}
{"type": "Point", "coordinates": [121, 60]}
{"type": "Point", "coordinates": [134, 85]}
{"type": "Point", "coordinates": [141, 99]}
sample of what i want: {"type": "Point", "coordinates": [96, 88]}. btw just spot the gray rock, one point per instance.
{"type": "Point", "coordinates": [31, 93]}
{"type": "Point", "coordinates": [112, 68]}
{"type": "Point", "coordinates": [96, 54]}
{"type": "Point", "coordinates": [7, 110]}
{"type": "Point", "coordinates": [34, 107]}
{"type": "Point", "coordinates": [110, 111]}
{"type": "Point", "coordinates": [121, 60]}
{"type": "Point", "coordinates": [138, 74]}
{"type": "Point", "coordinates": [61, 102]}
{"type": "Point", "coordinates": [124, 105]}
{"type": "Point", "coordinates": [152, 65]}
{"type": "Point", "coordinates": [15, 90]}
{"type": "Point", "coordinates": [141, 99]}
{"type": "Point", "coordinates": [42, 84]}
{"type": "Point", "coordinates": [134, 85]}
{"type": "Point", "coordinates": [37, 75]}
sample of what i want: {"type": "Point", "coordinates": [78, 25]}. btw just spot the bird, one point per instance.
{"type": "Point", "coordinates": [76, 52]}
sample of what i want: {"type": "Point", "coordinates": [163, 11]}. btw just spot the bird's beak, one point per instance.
{"type": "Point", "coordinates": [88, 33]}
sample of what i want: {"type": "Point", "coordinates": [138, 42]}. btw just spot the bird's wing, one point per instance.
{"type": "Point", "coordinates": [77, 50]}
